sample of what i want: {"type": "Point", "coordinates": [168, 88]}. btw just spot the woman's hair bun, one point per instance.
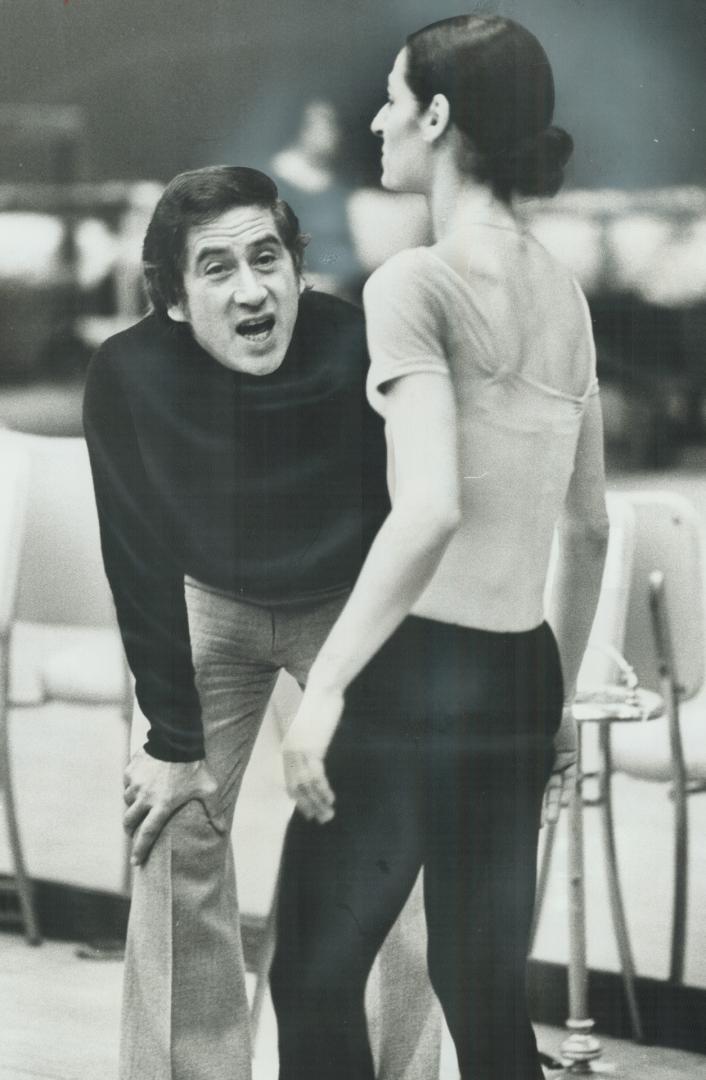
{"type": "Point", "coordinates": [534, 166]}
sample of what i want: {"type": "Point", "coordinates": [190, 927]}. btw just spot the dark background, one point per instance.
{"type": "Point", "coordinates": [166, 85]}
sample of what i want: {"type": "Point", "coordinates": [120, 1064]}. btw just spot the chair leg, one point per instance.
{"type": "Point", "coordinates": [23, 884]}
{"type": "Point", "coordinates": [605, 803]}
{"type": "Point", "coordinates": [581, 1047]}
{"type": "Point", "coordinates": [670, 693]}
{"type": "Point", "coordinates": [542, 880]}
{"type": "Point", "coordinates": [681, 847]}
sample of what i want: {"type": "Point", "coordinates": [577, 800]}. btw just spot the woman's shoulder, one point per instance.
{"type": "Point", "coordinates": [401, 267]}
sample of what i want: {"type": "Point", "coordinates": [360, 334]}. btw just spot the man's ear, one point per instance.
{"type": "Point", "coordinates": [177, 312]}
{"type": "Point", "coordinates": [436, 119]}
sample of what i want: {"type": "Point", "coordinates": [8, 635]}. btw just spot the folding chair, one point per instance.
{"type": "Point", "coordinates": [58, 582]}
{"type": "Point", "coordinates": [664, 642]}
{"type": "Point", "coordinates": [602, 667]}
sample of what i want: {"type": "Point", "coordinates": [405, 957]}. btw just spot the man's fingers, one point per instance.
{"type": "Point", "coordinates": [146, 834]}
{"type": "Point", "coordinates": [134, 814]}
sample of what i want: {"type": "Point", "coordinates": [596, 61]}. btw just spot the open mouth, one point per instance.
{"type": "Point", "coordinates": [256, 329]}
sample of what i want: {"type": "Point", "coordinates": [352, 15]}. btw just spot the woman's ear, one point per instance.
{"type": "Point", "coordinates": [437, 118]}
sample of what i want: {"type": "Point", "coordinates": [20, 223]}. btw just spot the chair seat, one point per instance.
{"type": "Point", "coordinates": [93, 672]}
{"type": "Point", "coordinates": [82, 663]}
{"type": "Point", "coordinates": [642, 750]}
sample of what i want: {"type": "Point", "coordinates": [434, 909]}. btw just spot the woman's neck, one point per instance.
{"type": "Point", "coordinates": [456, 200]}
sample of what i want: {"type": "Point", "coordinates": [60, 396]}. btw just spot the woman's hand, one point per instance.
{"type": "Point", "coordinates": [304, 749]}
{"type": "Point", "coordinates": [563, 778]}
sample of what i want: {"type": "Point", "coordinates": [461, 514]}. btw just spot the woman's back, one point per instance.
{"type": "Point", "coordinates": [495, 311]}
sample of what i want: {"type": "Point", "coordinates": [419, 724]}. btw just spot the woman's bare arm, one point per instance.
{"type": "Point", "coordinates": [421, 423]}
{"type": "Point", "coordinates": [583, 541]}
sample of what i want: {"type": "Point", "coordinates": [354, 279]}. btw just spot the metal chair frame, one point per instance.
{"type": "Point", "coordinates": [19, 602]}
{"type": "Point", "coordinates": [654, 586]}
{"type": "Point", "coordinates": [600, 665]}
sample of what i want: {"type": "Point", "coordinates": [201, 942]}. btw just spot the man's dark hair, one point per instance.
{"type": "Point", "coordinates": [195, 198]}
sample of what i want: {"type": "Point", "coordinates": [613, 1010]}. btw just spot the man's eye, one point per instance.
{"type": "Point", "coordinates": [215, 269]}
{"type": "Point", "coordinates": [265, 259]}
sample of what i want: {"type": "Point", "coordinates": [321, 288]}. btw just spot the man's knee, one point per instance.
{"type": "Point", "coordinates": [193, 839]}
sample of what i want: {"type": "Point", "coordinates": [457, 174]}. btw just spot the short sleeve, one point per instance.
{"type": "Point", "coordinates": [593, 387]}
{"type": "Point", "coordinates": [405, 325]}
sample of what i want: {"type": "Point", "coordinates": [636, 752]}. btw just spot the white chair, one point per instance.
{"type": "Point", "coordinates": [659, 630]}
{"type": "Point", "coordinates": [600, 668]}
{"type": "Point", "coordinates": [14, 484]}
{"type": "Point", "coordinates": [58, 584]}
{"type": "Point", "coordinates": [664, 643]}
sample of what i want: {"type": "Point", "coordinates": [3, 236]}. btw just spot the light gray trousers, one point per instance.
{"type": "Point", "coordinates": [185, 1010]}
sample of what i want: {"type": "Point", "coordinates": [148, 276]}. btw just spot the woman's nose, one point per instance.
{"type": "Point", "coordinates": [376, 123]}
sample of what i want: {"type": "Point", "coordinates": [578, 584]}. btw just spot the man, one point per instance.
{"type": "Point", "coordinates": [239, 482]}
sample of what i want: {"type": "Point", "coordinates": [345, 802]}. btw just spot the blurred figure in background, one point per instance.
{"type": "Point", "coordinates": [308, 176]}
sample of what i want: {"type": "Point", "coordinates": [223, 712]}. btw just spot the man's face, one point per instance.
{"type": "Point", "coordinates": [241, 290]}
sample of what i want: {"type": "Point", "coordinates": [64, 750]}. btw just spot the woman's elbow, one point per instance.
{"type": "Point", "coordinates": [590, 534]}
{"type": "Point", "coordinates": [434, 520]}
{"type": "Point", "coordinates": [448, 520]}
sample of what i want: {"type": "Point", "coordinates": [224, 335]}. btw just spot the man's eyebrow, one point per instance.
{"type": "Point", "coordinates": [208, 252]}
{"type": "Point", "coordinates": [219, 250]}
{"type": "Point", "coordinates": [268, 238]}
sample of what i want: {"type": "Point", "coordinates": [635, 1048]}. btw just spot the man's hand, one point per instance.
{"type": "Point", "coordinates": [304, 749]}
{"type": "Point", "coordinates": [561, 782]}
{"type": "Point", "coordinates": [153, 791]}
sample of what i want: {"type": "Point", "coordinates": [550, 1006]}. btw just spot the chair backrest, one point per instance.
{"type": "Point", "coordinates": [667, 538]}
{"type": "Point", "coordinates": [599, 666]}
{"type": "Point", "coordinates": [61, 577]}
{"type": "Point", "coordinates": [14, 488]}
{"type": "Point", "coordinates": [608, 631]}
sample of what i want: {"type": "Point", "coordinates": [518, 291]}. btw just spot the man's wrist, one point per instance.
{"type": "Point", "coordinates": [174, 755]}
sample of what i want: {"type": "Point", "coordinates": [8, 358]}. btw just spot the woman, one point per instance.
{"type": "Point", "coordinates": [426, 735]}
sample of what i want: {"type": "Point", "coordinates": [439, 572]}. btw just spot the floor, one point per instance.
{"type": "Point", "coordinates": [60, 1021]}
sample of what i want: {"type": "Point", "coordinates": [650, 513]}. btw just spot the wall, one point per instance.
{"type": "Point", "coordinates": [172, 84]}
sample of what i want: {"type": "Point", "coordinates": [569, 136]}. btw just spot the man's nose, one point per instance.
{"type": "Point", "coordinates": [376, 122]}
{"type": "Point", "coordinates": [248, 289]}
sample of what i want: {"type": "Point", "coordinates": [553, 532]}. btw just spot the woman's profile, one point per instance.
{"type": "Point", "coordinates": [436, 716]}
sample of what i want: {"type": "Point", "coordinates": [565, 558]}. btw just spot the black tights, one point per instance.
{"type": "Point", "coordinates": [421, 781]}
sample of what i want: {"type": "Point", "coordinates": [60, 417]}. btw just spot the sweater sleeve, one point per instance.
{"type": "Point", "coordinates": [146, 581]}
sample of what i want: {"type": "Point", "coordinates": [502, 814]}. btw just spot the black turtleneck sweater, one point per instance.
{"type": "Point", "coordinates": [269, 487]}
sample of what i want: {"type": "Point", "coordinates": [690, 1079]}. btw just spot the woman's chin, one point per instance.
{"type": "Point", "coordinates": [387, 181]}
